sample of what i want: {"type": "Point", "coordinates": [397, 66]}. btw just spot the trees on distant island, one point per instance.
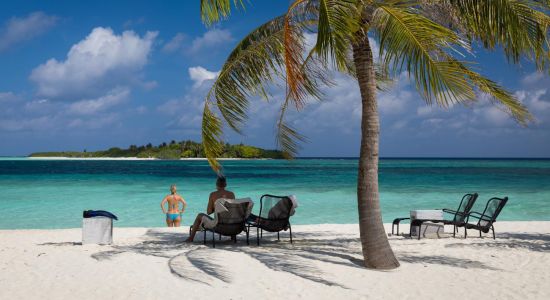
{"type": "Point", "coordinates": [173, 150]}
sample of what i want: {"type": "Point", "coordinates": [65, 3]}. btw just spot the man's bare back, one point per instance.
{"type": "Point", "coordinates": [218, 195]}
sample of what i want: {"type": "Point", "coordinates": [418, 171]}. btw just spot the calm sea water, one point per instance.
{"type": "Point", "coordinates": [53, 193]}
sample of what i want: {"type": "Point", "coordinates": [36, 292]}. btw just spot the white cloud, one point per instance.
{"type": "Point", "coordinates": [94, 123]}
{"type": "Point", "coordinates": [27, 124]}
{"type": "Point", "coordinates": [7, 97]}
{"type": "Point", "coordinates": [98, 63]}
{"type": "Point", "coordinates": [18, 30]}
{"type": "Point", "coordinates": [533, 78]}
{"type": "Point", "coordinates": [211, 38]}
{"type": "Point", "coordinates": [175, 44]}
{"type": "Point", "coordinates": [395, 100]}
{"type": "Point", "coordinates": [199, 75]}
{"type": "Point", "coordinates": [92, 106]}
{"type": "Point", "coordinates": [134, 22]}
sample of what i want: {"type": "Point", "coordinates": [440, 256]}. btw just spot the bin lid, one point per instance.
{"type": "Point", "coordinates": [98, 213]}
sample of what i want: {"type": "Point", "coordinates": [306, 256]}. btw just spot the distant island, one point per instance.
{"type": "Point", "coordinates": [172, 150]}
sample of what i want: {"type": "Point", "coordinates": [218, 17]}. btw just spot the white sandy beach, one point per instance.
{"type": "Point", "coordinates": [323, 263]}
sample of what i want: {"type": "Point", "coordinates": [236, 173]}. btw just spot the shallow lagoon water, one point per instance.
{"type": "Point", "coordinates": [53, 193]}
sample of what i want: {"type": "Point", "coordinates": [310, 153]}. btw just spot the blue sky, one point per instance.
{"type": "Point", "coordinates": [93, 75]}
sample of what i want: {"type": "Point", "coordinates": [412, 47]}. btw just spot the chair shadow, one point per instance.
{"type": "Point", "coordinates": [535, 242]}
{"type": "Point", "coordinates": [61, 244]}
{"type": "Point", "coordinates": [463, 263]}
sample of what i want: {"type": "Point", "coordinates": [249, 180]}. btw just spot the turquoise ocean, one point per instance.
{"type": "Point", "coordinates": [53, 193]}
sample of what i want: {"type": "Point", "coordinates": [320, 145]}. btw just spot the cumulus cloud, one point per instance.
{"type": "Point", "coordinates": [92, 106]}
{"type": "Point", "coordinates": [211, 38]}
{"type": "Point", "coordinates": [18, 30]}
{"type": "Point", "coordinates": [42, 123]}
{"type": "Point", "coordinates": [199, 75]}
{"type": "Point", "coordinates": [98, 63]}
{"type": "Point", "coordinates": [7, 97]}
{"type": "Point", "coordinates": [175, 44]}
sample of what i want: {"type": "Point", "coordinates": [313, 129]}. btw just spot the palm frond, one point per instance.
{"type": "Point", "coordinates": [256, 63]}
{"type": "Point", "coordinates": [293, 53]}
{"type": "Point", "coordinates": [212, 11]}
{"type": "Point", "coordinates": [412, 42]}
{"type": "Point", "coordinates": [211, 136]}
{"type": "Point", "coordinates": [519, 26]}
{"type": "Point", "coordinates": [287, 137]}
{"type": "Point", "coordinates": [500, 96]}
{"type": "Point", "coordinates": [337, 22]}
{"type": "Point", "coordinates": [250, 67]}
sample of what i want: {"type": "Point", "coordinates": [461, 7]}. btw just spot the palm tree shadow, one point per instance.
{"type": "Point", "coordinates": [208, 264]}
{"type": "Point", "coordinates": [281, 260]}
{"type": "Point", "coordinates": [197, 265]}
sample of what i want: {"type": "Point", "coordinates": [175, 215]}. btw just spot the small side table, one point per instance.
{"type": "Point", "coordinates": [430, 228]}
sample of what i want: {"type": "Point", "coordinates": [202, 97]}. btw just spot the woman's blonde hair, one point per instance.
{"type": "Point", "coordinates": [173, 188]}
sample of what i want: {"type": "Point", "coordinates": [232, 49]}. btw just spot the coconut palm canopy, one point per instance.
{"type": "Point", "coordinates": [430, 40]}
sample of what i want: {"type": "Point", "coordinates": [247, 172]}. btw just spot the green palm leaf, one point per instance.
{"type": "Point", "coordinates": [515, 25]}
{"type": "Point", "coordinates": [410, 41]}
{"type": "Point", "coordinates": [212, 11]}
{"type": "Point", "coordinates": [337, 22]}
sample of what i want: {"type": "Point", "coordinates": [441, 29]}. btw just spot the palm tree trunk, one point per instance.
{"type": "Point", "coordinates": [376, 248]}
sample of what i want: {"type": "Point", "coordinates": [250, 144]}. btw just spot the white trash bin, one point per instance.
{"type": "Point", "coordinates": [97, 230]}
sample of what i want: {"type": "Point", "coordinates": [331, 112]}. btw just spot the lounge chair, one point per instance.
{"type": "Point", "coordinates": [466, 204]}
{"type": "Point", "coordinates": [274, 216]}
{"type": "Point", "coordinates": [486, 219]}
{"type": "Point", "coordinates": [229, 219]}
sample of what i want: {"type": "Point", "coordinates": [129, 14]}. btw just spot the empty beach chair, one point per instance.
{"type": "Point", "coordinates": [485, 219]}
{"type": "Point", "coordinates": [274, 216]}
{"type": "Point", "coordinates": [229, 219]}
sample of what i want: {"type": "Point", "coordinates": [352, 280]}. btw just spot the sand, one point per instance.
{"type": "Point", "coordinates": [323, 263]}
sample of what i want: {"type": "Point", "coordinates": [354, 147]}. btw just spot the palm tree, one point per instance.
{"type": "Point", "coordinates": [428, 39]}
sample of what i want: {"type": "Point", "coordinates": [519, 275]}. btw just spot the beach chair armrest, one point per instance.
{"type": "Point", "coordinates": [452, 212]}
{"type": "Point", "coordinates": [398, 220]}
{"type": "Point", "coordinates": [477, 215]}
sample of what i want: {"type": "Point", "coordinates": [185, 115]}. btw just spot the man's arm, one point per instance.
{"type": "Point", "coordinates": [210, 208]}
{"type": "Point", "coordinates": [162, 204]}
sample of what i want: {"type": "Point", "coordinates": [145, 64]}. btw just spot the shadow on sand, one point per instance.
{"type": "Point", "coordinates": [529, 241]}
{"type": "Point", "coordinates": [203, 264]}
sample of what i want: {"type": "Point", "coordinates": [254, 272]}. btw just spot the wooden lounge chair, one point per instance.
{"type": "Point", "coordinates": [275, 212]}
{"type": "Point", "coordinates": [229, 219]}
{"type": "Point", "coordinates": [486, 219]}
{"type": "Point", "coordinates": [459, 215]}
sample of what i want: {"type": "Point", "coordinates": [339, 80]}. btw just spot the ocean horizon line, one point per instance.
{"type": "Point", "coordinates": [302, 157]}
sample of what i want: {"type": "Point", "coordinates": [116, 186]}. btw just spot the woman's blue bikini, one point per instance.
{"type": "Point", "coordinates": [172, 217]}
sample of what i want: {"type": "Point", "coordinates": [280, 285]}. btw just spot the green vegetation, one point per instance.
{"type": "Point", "coordinates": [173, 150]}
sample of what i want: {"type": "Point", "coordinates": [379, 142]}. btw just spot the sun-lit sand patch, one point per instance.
{"type": "Point", "coordinates": [323, 263]}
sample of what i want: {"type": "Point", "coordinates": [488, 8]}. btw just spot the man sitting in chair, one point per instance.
{"type": "Point", "coordinates": [220, 192]}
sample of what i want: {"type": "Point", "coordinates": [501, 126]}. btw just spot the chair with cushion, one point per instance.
{"type": "Point", "coordinates": [229, 219]}
{"type": "Point", "coordinates": [274, 216]}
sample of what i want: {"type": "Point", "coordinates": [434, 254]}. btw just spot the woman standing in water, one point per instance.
{"type": "Point", "coordinates": [173, 215]}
